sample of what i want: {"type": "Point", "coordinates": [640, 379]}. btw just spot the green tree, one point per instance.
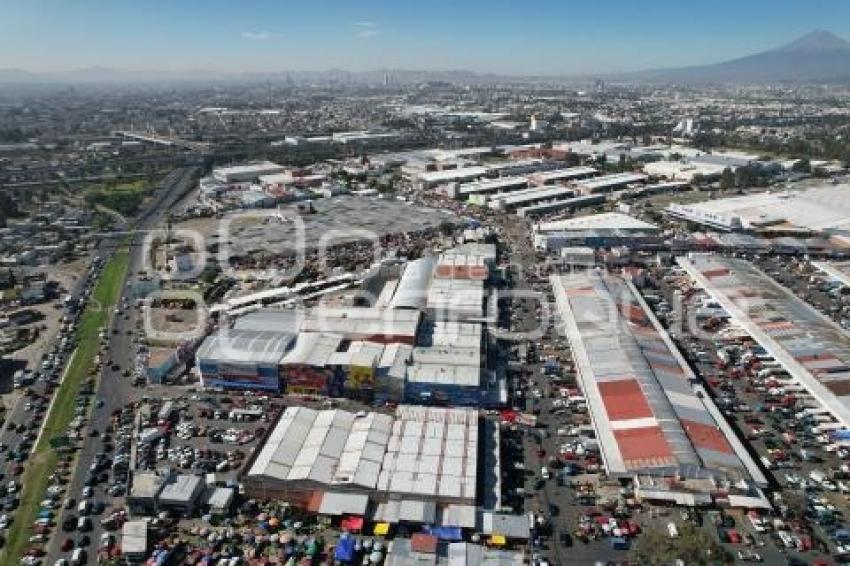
{"type": "Point", "coordinates": [802, 166]}
{"type": "Point", "coordinates": [744, 177]}
{"type": "Point", "coordinates": [727, 179]}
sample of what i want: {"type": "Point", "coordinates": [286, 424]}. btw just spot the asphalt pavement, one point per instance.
{"type": "Point", "coordinates": [114, 389]}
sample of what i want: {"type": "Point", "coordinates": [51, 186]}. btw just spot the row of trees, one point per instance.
{"type": "Point", "coordinates": [8, 208]}
{"type": "Point", "coordinates": [742, 178]}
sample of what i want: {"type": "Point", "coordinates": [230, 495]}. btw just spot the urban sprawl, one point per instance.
{"type": "Point", "coordinates": [425, 322]}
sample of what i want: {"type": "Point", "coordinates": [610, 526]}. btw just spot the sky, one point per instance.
{"type": "Point", "coordinates": [509, 37]}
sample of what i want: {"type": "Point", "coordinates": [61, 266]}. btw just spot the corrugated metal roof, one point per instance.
{"type": "Point", "coordinates": [331, 447]}
{"type": "Point", "coordinates": [412, 290]}
{"type": "Point", "coordinates": [634, 382]}
{"type": "Point", "coordinates": [245, 346]}
{"type": "Point", "coordinates": [800, 338]}
{"type": "Point", "coordinates": [427, 451]}
{"type": "Point", "coordinates": [313, 349]}
{"type": "Point", "coordinates": [337, 503]}
{"type": "Point", "coordinates": [417, 455]}
{"type": "Point", "coordinates": [605, 221]}
{"type": "Point", "coordinates": [361, 322]}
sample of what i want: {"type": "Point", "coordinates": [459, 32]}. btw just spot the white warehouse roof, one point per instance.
{"type": "Point", "coordinates": [448, 175]}
{"type": "Point", "coordinates": [604, 221]}
{"type": "Point", "coordinates": [245, 346]}
{"type": "Point", "coordinates": [330, 447]}
{"type": "Point", "coordinates": [433, 452]}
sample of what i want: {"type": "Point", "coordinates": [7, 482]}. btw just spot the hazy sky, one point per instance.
{"type": "Point", "coordinates": [519, 37]}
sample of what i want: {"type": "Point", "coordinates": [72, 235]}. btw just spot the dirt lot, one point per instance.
{"type": "Point", "coordinates": [66, 275]}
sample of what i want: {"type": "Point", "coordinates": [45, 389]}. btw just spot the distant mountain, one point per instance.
{"type": "Point", "coordinates": [819, 56]}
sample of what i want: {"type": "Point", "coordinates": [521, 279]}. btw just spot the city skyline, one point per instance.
{"type": "Point", "coordinates": [510, 39]}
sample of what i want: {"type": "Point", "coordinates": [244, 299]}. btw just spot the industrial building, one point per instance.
{"type": "Point", "coordinates": [530, 197]}
{"type": "Point", "coordinates": [318, 351]}
{"type": "Point", "coordinates": [568, 204]}
{"type": "Point", "coordinates": [392, 373]}
{"type": "Point", "coordinates": [683, 170]}
{"type": "Point", "coordinates": [580, 256]}
{"type": "Point", "coordinates": [605, 230]}
{"type": "Point", "coordinates": [134, 541]}
{"type": "Point", "coordinates": [562, 175]}
{"type": "Point", "coordinates": [511, 167]}
{"type": "Point", "coordinates": [424, 343]}
{"type": "Point", "coordinates": [368, 324]}
{"type": "Point", "coordinates": [243, 359]}
{"type": "Point", "coordinates": [421, 457]}
{"type": "Point", "coordinates": [603, 221]}
{"type": "Point", "coordinates": [307, 368]}
{"type": "Point", "coordinates": [181, 494]}
{"type": "Point", "coordinates": [247, 173]}
{"type": "Point", "coordinates": [165, 490]}
{"type": "Point", "coordinates": [284, 181]}
{"type": "Point", "coordinates": [609, 183]}
{"type": "Point", "coordinates": [385, 326]}
{"type": "Point", "coordinates": [481, 189]}
{"type": "Point", "coordinates": [457, 286]}
{"type": "Point", "coordinates": [824, 208]}
{"type": "Point", "coordinates": [445, 372]}
{"type": "Point", "coordinates": [412, 289]}
{"type": "Point", "coordinates": [431, 179]}
{"type": "Point", "coordinates": [811, 348]}
{"type": "Point", "coordinates": [651, 417]}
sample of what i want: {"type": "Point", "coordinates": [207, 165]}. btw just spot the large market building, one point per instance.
{"type": "Point", "coordinates": [654, 423]}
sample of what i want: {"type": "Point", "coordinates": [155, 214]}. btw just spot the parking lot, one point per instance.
{"type": "Point", "coordinates": [756, 396]}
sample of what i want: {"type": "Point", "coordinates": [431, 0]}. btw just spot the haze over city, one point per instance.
{"type": "Point", "coordinates": [547, 37]}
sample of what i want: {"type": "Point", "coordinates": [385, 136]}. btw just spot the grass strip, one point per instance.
{"type": "Point", "coordinates": [44, 461]}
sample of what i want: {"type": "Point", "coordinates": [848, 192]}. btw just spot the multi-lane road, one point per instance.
{"type": "Point", "coordinates": [114, 390]}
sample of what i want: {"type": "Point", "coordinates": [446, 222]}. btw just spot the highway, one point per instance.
{"type": "Point", "coordinates": [115, 390]}
{"type": "Point", "coordinates": [21, 431]}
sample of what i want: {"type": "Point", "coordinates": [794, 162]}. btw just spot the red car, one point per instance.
{"type": "Point", "coordinates": [67, 544]}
